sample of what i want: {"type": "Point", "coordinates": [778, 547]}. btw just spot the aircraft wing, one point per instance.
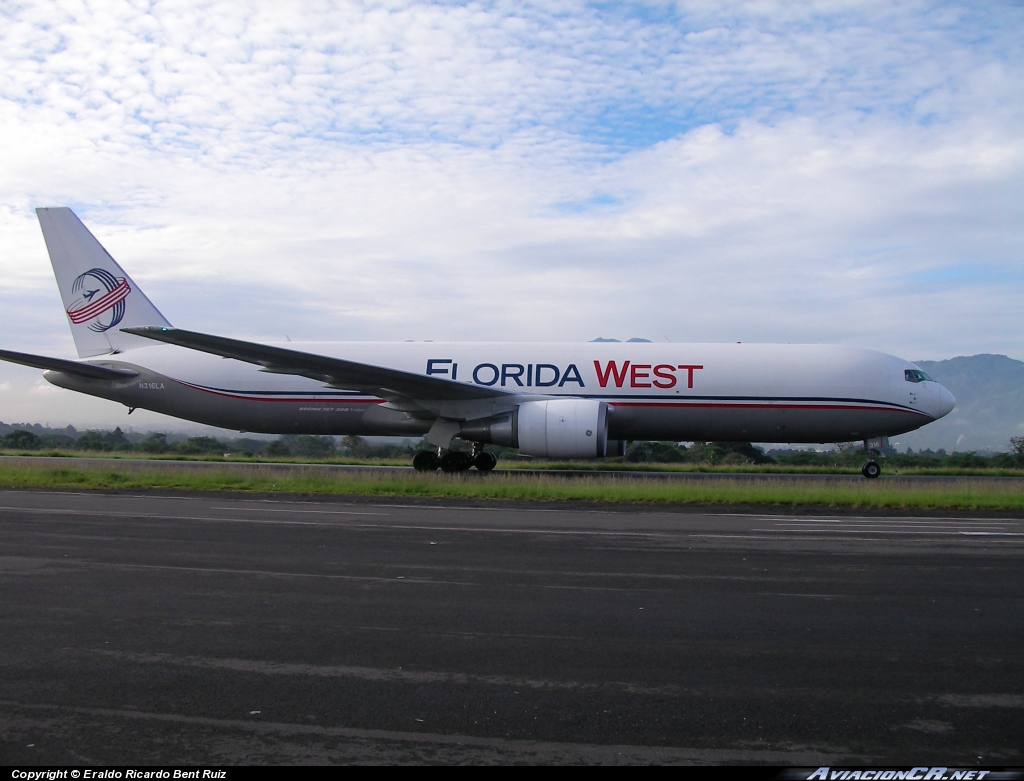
{"type": "Point", "coordinates": [390, 384]}
{"type": "Point", "coordinates": [89, 370]}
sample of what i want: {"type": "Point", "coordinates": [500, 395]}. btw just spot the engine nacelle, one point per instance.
{"type": "Point", "coordinates": [563, 428]}
{"type": "Point", "coordinates": [558, 428]}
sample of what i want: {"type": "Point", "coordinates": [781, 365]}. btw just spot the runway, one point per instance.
{"type": "Point", "coordinates": [218, 630]}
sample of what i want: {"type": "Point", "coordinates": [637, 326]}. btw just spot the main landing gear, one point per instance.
{"type": "Point", "coordinates": [452, 461]}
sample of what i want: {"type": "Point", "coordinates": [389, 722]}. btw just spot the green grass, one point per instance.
{"type": "Point", "coordinates": [857, 493]}
{"type": "Point", "coordinates": [508, 464]}
{"type": "Point", "coordinates": [768, 469]}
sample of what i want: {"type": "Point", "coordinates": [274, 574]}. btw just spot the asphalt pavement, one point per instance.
{"type": "Point", "coordinates": [213, 629]}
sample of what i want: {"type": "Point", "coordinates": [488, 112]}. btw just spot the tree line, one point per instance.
{"type": "Point", "coordinates": [287, 446]}
{"type": "Point", "coordinates": [326, 447]}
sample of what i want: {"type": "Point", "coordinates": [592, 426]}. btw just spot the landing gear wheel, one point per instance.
{"type": "Point", "coordinates": [424, 461]}
{"type": "Point", "coordinates": [455, 461]}
{"type": "Point", "coordinates": [871, 470]}
{"type": "Point", "coordinates": [485, 461]}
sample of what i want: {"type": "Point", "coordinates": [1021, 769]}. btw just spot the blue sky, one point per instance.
{"type": "Point", "coordinates": [800, 172]}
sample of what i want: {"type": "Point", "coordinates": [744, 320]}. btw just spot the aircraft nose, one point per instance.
{"type": "Point", "coordinates": [946, 403]}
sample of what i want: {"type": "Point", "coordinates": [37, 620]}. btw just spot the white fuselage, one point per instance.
{"type": "Point", "coordinates": [747, 392]}
{"type": "Point", "coordinates": [555, 400]}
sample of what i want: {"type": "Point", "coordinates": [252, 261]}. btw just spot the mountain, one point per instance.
{"type": "Point", "coordinates": [989, 392]}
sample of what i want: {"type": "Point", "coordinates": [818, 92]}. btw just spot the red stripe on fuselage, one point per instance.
{"type": "Point", "coordinates": [303, 400]}
{"type": "Point", "coordinates": [883, 407]}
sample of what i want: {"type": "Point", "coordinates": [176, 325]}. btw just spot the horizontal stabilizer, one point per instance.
{"type": "Point", "coordinates": [67, 367]}
{"type": "Point", "coordinates": [336, 372]}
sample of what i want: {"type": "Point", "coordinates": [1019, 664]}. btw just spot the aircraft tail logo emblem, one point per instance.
{"type": "Point", "coordinates": [101, 299]}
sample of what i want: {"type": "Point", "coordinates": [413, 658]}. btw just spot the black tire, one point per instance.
{"type": "Point", "coordinates": [455, 461]}
{"type": "Point", "coordinates": [424, 461]}
{"type": "Point", "coordinates": [486, 461]}
{"type": "Point", "coordinates": [871, 470]}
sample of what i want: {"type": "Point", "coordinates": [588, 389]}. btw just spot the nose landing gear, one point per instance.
{"type": "Point", "coordinates": [871, 469]}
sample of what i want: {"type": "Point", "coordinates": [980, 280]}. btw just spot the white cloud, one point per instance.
{"type": "Point", "coordinates": [819, 172]}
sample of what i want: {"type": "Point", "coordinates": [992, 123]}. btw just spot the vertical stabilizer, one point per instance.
{"type": "Point", "coordinates": [99, 298]}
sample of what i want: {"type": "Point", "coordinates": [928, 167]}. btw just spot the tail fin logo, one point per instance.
{"type": "Point", "coordinates": [100, 300]}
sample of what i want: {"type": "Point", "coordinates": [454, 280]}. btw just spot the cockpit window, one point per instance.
{"type": "Point", "coordinates": [916, 375]}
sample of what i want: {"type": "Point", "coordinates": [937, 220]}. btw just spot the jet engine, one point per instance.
{"type": "Point", "coordinates": [558, 428]}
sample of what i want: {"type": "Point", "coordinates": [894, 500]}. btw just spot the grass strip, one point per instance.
{"type": "Point", "coordinates": [856, 493]}
{"type": "Point", "coordinates": [533, 464]}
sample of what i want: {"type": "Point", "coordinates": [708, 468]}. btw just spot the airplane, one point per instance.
{"type": "Point", "coordinates": [554, 400]}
